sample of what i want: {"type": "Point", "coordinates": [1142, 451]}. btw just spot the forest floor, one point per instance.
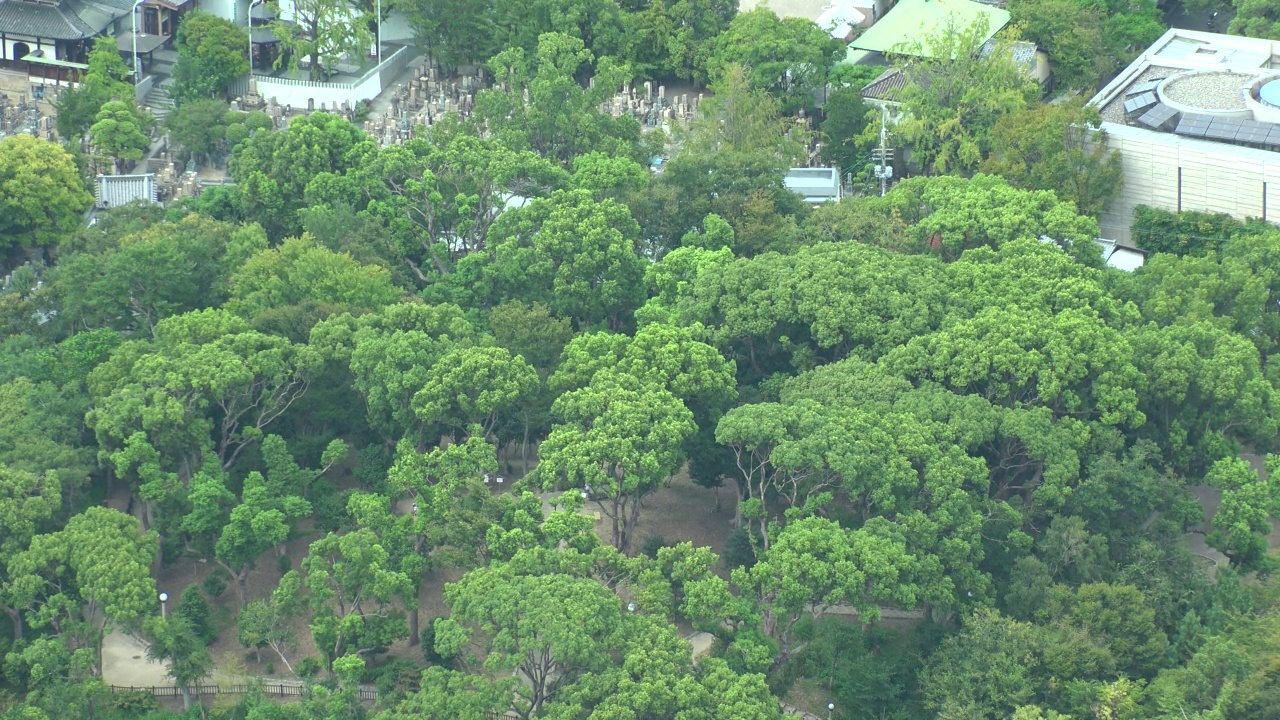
{"type": "Point", "coordinates": [680, 511]}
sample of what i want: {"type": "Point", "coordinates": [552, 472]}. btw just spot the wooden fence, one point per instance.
{"type": "Point", "coordinates": [286, 689]}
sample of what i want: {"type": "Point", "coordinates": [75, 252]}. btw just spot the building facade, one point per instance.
{"type": "Point", "coordinates": [1196, 121]}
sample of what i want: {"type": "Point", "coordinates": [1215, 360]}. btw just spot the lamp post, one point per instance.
{"type": "Point", "coordinates": [252, 5]}
{"type": "Point", "coordinates": [137, 63]}
{"type": "Point", "coordinates": [831, 707]}
{"type": "Point", "coordinates": [164, 599]}
{"type": "Point", "coordinates": [377, 50]}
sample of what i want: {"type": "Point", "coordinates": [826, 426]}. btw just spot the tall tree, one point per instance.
{"type": "Point", "coordinates": [212, 51]}
{"type": "Point", "coordinates": [83, 579]}
{"type": "Point", "coordinates": [120, 133]}
{"type": "Point", "coordinates": [323, 32]}
{"type": "Point", "coordinates": [43, 197]}
{"type": "Point", "coordinates": [787, 57]}
{"type": "Point", "coordinates": [539, 104]}
{"type": "Point", "coordinates": [620, 438]}
{"type": "Point", "coordinates": [954, 96]}
{"type": "Point", "coordinates": [1058, 147]}
{"type": "Point", "coordinates": [107, 79]}
{"type": "Point", "coordinates": [175, 642]}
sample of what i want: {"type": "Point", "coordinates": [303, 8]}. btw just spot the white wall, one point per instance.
{"type": "Point", "coordinates": [1216, 177]}
{"type": "Point", "coordinates": [296, 93]}
{"type": "Point", "coordinates": [11, 40]}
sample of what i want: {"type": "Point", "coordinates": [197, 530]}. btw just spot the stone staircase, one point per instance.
{"type": "Point", "coordinates": [158, 99]}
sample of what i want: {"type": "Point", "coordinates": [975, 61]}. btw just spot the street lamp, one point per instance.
{"type": "Point", "coordinates": [377, 50]}
{"type": "Point", "coordinates": [631, 607]}
{"type": "Point", "coordinates": [164, 598]}
{"type": "Point", "coordinates": [252, 5]}
{"type": "Point", "coordinates": [137, 64]}
{"type": "Point", "coordinates": [831, 707]}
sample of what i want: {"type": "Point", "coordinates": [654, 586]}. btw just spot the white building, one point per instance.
{"type": "Point", "coordinates": [1196, 120]}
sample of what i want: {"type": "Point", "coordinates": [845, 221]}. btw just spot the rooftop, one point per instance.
{"type": "Point", "coordinates": [66, 20]}
{"type": "Point", "coordinates": [116, 190]}
{"type": "Point", "coordinates": [815, 185]}
{"type": "Point", "coordinates": [1199, 87]}
{"type": "Point", "coordinates": [913, 20]}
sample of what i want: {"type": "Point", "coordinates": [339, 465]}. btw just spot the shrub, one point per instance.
{"type": "Point", "coordinates": [652, 545]}
{"type": "Point", "coordinates": [372, 463]}
{"type": "Point", "coordinates": [738, 550]}
{"type": "Point", "coordinates": [309, 666]}
{"type": "Point", "coordinates": [216, 583]}
{"type": "Point", "coordinates": [193, 607]}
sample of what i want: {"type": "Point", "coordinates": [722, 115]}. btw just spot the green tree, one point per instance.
{"type": "Point", "coordinates": [202, 363]}
{"type": "Point", "coordinates": [815, 564]}
{"type": "Point", "coordinates": [40, 432]}
{"type": "Point", "coordinates": [83, 579]}
{"type": "Point", "coordinates": [437, 196]}
{"type": "Point", "coordinates": [1071, 33]}
{"type": "Point", "coordinates": [120, 133]}
{"type": "Point", "coordinates": [549, 628]}
{"type": "Point", "coordinates": [354, 593]}
{"type": "Point", "coordinates": [176, 642]}
{"type": "Point", "coordinates": [470, 386]}
{"type": "Point", "coordinates": [193, 608]}
{"type": "Point", "coordinates": [956, 215]}
{"type": "Point", "coordinates": [1058, 147]}
{"type": "Point", "coordinates": [272, 169]}
{"type": "Point", "coordinates": [453, 32]}
{"type": "Point", "coordinates": [787, 57]}
{"type": "Point", "coordinates": [1255, 18]}
{"type": "Point", "coordinates": [212, 52]}
{"type": "Point", "coordinates": [845, 116]}
{"type": "Point", "coordinates": [27, 502]}
{"type": "Point", "coordinates": [323, 32]}
{"type": "Point", "coordinates": [571, 253]}
{"type": "Point", "coordinates": [299, 271]}
{"type": "Point", "coordinates": [391, 355]}
{"type": "Point", "coordinates": [1243, 519]}
{"type": "Point", "coordinates": [560, 119]}
{"type": "Point", "coordinates": [620, 438]}
{"type": "Point", "coordinates": [43, 197]}
{"type": "Point", "coordinates": [448, 514]}
{"type": "Point", "coordinates": [117, 286]}
{"type": "Point", "coordinates": [954, 97]}
{"type": "Point", "coordinates": [267, 623]}
{"type": "Point", "coordinates": [107, 79]}
{"type": "Point", "coordinates": [199, 127]}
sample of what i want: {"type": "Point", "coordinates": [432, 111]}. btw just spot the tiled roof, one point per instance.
{"type": "Point", "coordinates": [40, 20]}
{"type": "Point", "coordinates": [117, 190]}
{"type": "Point", "coordinates": [885, 87]}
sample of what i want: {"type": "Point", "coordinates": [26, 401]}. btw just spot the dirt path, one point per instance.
{"type": "Point", "coordinates": [125, 663]}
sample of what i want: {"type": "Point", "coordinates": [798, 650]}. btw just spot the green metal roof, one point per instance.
{"type": "Point", "coordinates": [912, 21]}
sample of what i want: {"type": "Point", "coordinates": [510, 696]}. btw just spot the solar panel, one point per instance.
{"type": "Point", "coordinates": [1193, 125]}
{"type": "Point", "coordinates": [1148, 86]}
{"type": "Point", "coordinates": [1139, 103]}
{"type": "Point", "coordinates": [1160, 117]}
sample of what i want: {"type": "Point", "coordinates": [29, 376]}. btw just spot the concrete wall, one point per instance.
{"type": "Point", "coordinates": [1215, 177]}
{"type": "Point", "coordinates": [298, 92]}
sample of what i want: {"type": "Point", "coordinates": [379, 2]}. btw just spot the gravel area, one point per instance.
{"type": "Point", "coordinates": [1114, 110]}
{"type": "Point", "coordinates": [1210, 91]}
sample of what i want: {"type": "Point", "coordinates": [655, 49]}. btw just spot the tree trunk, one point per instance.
{"type": "Point", "coordinates": [16, 617]}
{"type": "Point", "coordinates": [414, 639]}
{"type": "Point", "coordinates": [186, 698]}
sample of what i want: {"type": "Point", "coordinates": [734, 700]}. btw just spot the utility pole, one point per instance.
{"type": "Point", "coordinates": [883, 156]}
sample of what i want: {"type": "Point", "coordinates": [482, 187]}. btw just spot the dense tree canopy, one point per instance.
{"type": "Point", "coordinates": [546, 412]}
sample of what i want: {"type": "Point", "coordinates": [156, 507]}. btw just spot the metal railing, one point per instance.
{"type": "Point", "coordinates": [387, 69]}
{"type": "Point", "coordinates": [283, 689]}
